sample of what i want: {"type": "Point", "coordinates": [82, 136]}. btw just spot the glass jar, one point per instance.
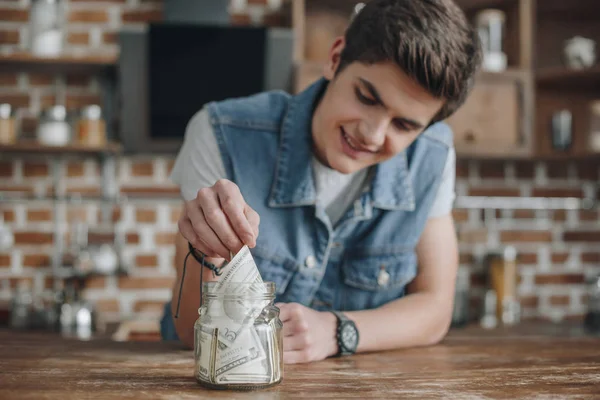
{"type": "Point", "coordinates": [592, 317]}
{"type": "Point", "coordinates": [8, 132]}
{"type": "Point", "coordinates": [594, 139]}
{"type": "Point", "coordinates": [46, 27]}
{"type": "Point", "coordinates": [91, 127]}
{"type": "Point", "coordinates": [490, 26]}
{"type": "Point", "coordinates": [53, 128]}
{"type": "Point", "coordinates": [238, 341]}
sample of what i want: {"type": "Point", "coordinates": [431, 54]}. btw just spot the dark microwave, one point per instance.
{"type": "Point", "coordinates": [168, 71]}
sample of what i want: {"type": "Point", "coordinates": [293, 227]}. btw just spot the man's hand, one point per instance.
{"type": "Point", "coordinates": [308, 335]}
{"type": "Point", "coordinates": [218, 221]}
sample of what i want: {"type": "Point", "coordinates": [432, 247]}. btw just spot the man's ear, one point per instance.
{"type": "Point", "coordinates": [333, 61]}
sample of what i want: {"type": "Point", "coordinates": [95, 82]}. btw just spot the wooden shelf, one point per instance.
{"type": "Point", "coordinates": [26, 61]}
{"type": "Point", "coordinates": [32, 147]}
{"type": "Point", "coordinates": [577, 9]}
{"type": "Point", "coordinates": [562, 77]}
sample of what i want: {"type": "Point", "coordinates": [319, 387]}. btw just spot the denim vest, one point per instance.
{"type": "Point", "coordinates": [369, 257]}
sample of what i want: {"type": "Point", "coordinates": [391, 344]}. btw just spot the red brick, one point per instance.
{"type": "Point", "coordinates": [491, 169]}
{"type": "Point", "coordinates": [460, 215]}
{"type": "Point", "coordinates": [146, 260]}
{"type": "Point", "coordinates": [97, 282]}
{"type": "Point", "coordinates": [88, 191]}
{"type": "Point", "coordinates": [142, 16]}
{"type": "Point", "coordinates": [82, 38]}
{"type": "Point", "coordinates": [588, 215]}
{"type": "Point", "coordinates": [556, 192]}
{"type": "Point", "coordinates": [157, 191]}
{"type": "Point", "coordinates": [16, 188]}
{"type": "Point", "coordinates": [527, 258]}
{"type": "Point", "coordinates": [559, 279]}
{"type": "Point", "coordinates": [175, 215]}
{"type": "Point", "coordinates": [40, 79]}
{"type": "Point", "coordinates": [560, 300]}
{"type": "Point", "coordinates": [17, 100]}
{"type": "Point", "coordinates": [37, 260]}
{"type": "Point", "coordinates": [170, 165]}
{"type": "Point", "coordinates": [529, 301]}
{"type": "Point", "coordinates": [110, 37]}
{"type": "Point", "coordinates": [560, 258]}
{"type": "Point", "coordinates": [35, 169]}
{"type": "Point", "coordinates": [8, 79]}
{"type": "Point", "coordinates": [88, 16]}
{"type": "Point", "coordinates": [590, 257]}
{"type": "Point", "coordinates": [14, 14]}
{"type": "Point", "coordinates": [128, 282]}
{"type": "Point", "coordinates": [33, 238]}
{"type": "Point", "coordinates": [101, 237]}
{"type": "Point", "coordinates": [29, 126]}
{"type": "Point", "coordinates": [132, 238]}
{"type": "Point", "coordinates": [81, 80]}
{"type": "Point", "coordinates": [115, 215]}
{"type": "Point", "coordinates": [557, 170]}
{"type": "Point", "coordinates": [145, 216]}
{"type": "Point", "coordinates": [6, 169]}
{"type": "Point", "coordinates": [107, 306]}
{"type": "Point", "coordinates": [524, 214]}
{"type": "Point", "coordinates": [525, 169]}
{"type": "Point", "coordinates": [525, 236]}
{"type": "Point", "coordinates": [14, 282]}
{"type": "Point", "coordinates": [275, 19]}
{"type": "Point", "coordinates": [494, 192]}
{"type": "Point", "coordinates": [5, 260]}
{"type": "Point", "coordinates": [148, 306]}
{"type": "Point", "coordinates": [473, 236]}
{"type": "Point", "coordinates": [240, 19]}
{"type": "Point", "coordinates": [559, 215]}
{"type": "Point", "coordinates": [462, 168]}
{"type": "Point", "coordinates": [75, 169]}
{"type": "Point", "coordinates": [39, 215]}
{"type": "Point", "coordinates": [9, 36]}
{"type": "Point", "coordinates": [8, 215]}
{"type": "Point", "coordinates": [164, 239]}
{"type": "Point", "coordinates": [466, 258]}
{"type": "Point", "coordinates": [585, 236]}
{"type": "Point", "coordinates": [142, 169]}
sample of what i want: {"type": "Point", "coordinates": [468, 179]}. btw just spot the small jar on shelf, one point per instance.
{"type": "Point", "coordinates": [594, 135]}
{"type": "Point", "coordinates": [54, 128]}
{"type": "Point", "coordinates": [46, 27]}
{"type": "Point", "coordinates": [8, 131]}
{"type": "Point", "coordinates": [490, 26]}
{"type": "Point", "coordinates": [91, 128]}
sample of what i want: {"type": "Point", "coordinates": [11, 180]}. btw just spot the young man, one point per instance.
{"type": "Point", "coordinates": [352, 181]}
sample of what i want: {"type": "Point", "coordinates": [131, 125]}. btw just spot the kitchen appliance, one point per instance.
{"type": "Point", "coordinates": [169, 71]}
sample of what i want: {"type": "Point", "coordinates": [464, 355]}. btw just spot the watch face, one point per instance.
{"type": "Point", "coordinates": [349, 337]}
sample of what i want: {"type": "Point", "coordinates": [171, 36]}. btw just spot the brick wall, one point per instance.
{"type": "Point", "coordinates": [557, 250]}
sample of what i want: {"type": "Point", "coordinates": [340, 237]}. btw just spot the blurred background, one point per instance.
{"type": "Point", "coordinates": [95, 96]}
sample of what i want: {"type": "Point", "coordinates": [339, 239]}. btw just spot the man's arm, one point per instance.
{"type": "Point", "coordinates": [420, 318]}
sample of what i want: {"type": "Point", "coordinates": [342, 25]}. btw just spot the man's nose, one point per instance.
{"type": "Point", "coordinates": [372, 134]}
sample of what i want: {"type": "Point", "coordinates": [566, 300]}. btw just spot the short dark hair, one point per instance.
{"type": "Point", "coordinates": [430, 40]}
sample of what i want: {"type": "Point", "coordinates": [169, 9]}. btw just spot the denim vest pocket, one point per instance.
{"type": "Point", "coordinates": [274, 267]}
{"type": "Point", "coordinates": [372, 279]}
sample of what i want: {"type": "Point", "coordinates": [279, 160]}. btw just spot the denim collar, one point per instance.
{"type": "Point", "coordinates": [293, 186]}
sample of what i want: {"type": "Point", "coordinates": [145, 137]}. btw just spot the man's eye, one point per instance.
{"type": "Point", "coordinates": [364, 99]}
{"type": "Point", "coordinates": [401, 126]}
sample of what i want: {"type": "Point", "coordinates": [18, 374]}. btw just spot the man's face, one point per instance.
{"type": "Point", "coordinates": [368, 114]}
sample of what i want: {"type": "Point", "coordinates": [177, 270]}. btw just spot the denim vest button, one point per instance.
{"type": "Point", "coordinates": [310, 262]}
{"type": "Point", "coordinates": [384, 277]}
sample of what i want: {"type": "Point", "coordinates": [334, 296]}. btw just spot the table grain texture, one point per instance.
{"type": "Point", "coordinates": [468, 364]}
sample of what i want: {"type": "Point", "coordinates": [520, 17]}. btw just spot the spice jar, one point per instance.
{"type": "Point", "coordinates": [490, 26]}
{"type": "Point", "coordinates": [8, 133]}
{"type": "Point", "coordinates": [53, 128]}
{"type": "Point", "coordinates": [46, 26]}
{"type": "Point", "coordinates": [91, 127]}
{"type": "Point", "coordinates": [238, 337]}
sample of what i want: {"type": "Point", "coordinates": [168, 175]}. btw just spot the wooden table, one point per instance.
{"type": "Point", "coordinates": [469, 364]}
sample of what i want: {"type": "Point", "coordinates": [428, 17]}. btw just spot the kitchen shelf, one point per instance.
{"type": "Point", "coordinates": [63, 63]}
{"type": "Point", "coordinates": [31, 146]}
{"type": "Point", "coordinates": [469, 5]}
{"type": "Point", "coordinates": [569, 78]}
{"type": "Point", "coordinates": [576, 9]}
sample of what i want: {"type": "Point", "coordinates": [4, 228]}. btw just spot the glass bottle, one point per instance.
{"type": "Point", "coordinates": [238, 341]}
{"type": "Point", "coordinates": [592, 317]}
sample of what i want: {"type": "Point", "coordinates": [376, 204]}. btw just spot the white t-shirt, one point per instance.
{"type": "Point", "coordinates": [199, 165]}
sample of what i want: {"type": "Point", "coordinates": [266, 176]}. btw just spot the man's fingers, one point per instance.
{"type": "Point", "coordinates": [216, 219]}
{"type": "Point", "coordinates": [296, 342]}
{"type": "Point", "coordinates": [232, 203]}
{"type": "Point", "coordinates": [205, 233]}
{"type": "Point", "coordinates": [253, 219]}
{"type": "Point", "coordinates": [295, 356]}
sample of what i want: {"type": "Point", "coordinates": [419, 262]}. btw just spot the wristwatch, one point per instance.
{"type": "Point", "coordinates": [347, 335]}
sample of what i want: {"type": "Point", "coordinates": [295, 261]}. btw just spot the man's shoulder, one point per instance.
{"type": "Point", "coordinates": [262, 111]}
{"type": "Point", "coordinates": [440, 132]}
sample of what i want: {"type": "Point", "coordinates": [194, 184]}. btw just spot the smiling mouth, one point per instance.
{"type": "Point", "coordinates": [353, 145]}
